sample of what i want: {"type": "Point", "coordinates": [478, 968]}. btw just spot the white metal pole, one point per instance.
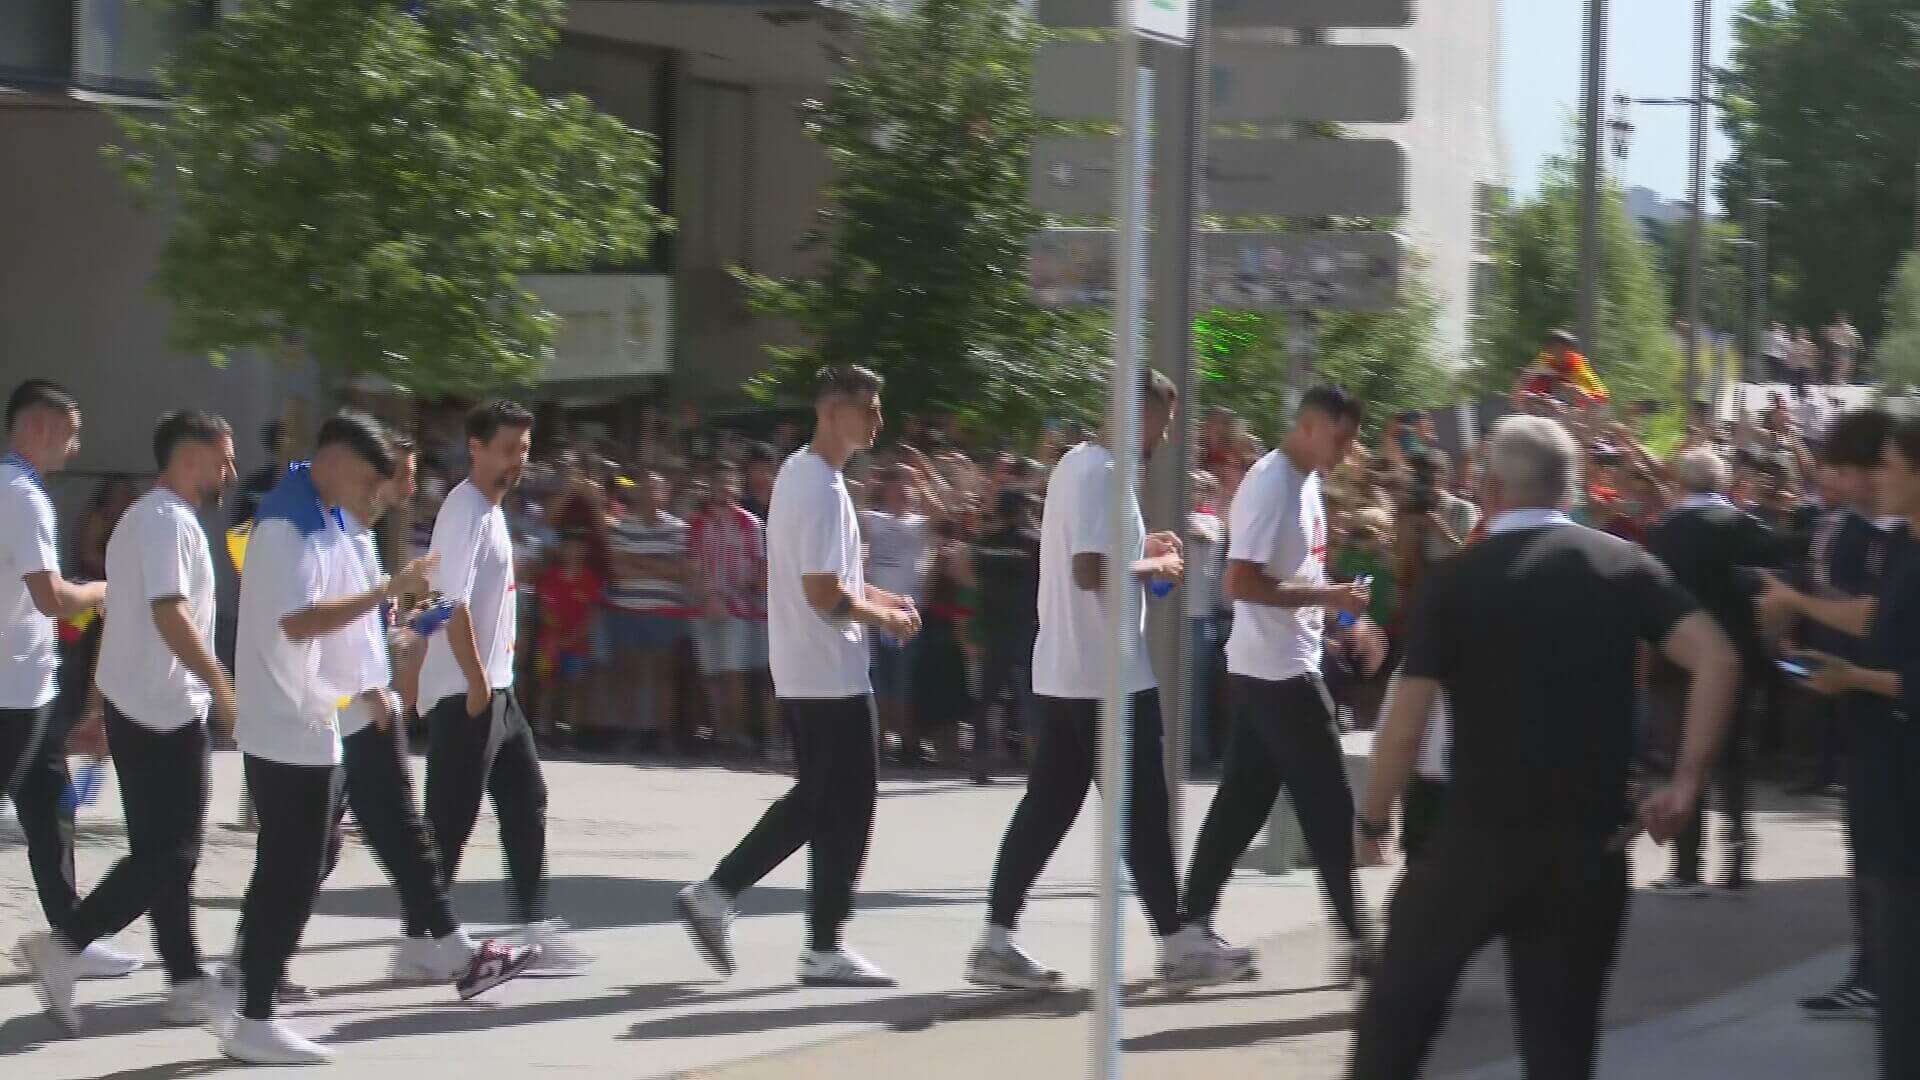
{"type": "Point", "coordinates": [1123, 592]}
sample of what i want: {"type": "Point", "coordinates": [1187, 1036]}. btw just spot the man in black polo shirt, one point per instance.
{"type": "Point", "coordinates": [1710, 545]}
{"type": "Point", "coordinates": [1007, 563]}
{"type": "Point", "coordinates": [1533, 634]}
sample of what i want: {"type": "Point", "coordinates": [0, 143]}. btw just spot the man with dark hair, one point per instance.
{"type": "Point", "coordinates": [1847, 553]}
{"type": "Point", "coordinates": [1007, 563]}
{"type": "Point", "coordinates": [295, 614]}
{"type": "Point", "coordinates": [820, 609]}
{"type": "Point", "coordinates": [480, 742]}
{"type": "Point", "coordinates": [1282, 728]}
{"type": "Point", "coordinates": [43, 430]}
{"type": "Point", "coordinates": [273, 440]}
{"type": "Point", "coordinates": [158, 678]}
{"type": "Point", "coordinates": [1070, 674]}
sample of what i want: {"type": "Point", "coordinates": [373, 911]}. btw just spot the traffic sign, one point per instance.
{"type": "Point", "coordinates": [1168, 20]}
{"type": "Point", "coordinates": [1251, 83]}
{"type": "Point", "coordinates": [1316, 14]}
{"type": "Point", "coordinates": [1250, 271]}
{"type": "Point", "coordinates": [1346, 84]}
{"type": "Point", "coordinates": [1074, 175]}
{"type": "Point", "coordinates": [1323, 271]}
{"type": "Point", "coordinates": [1363, 14]}
{"type": "Point", "coordinates": [1302, 177]}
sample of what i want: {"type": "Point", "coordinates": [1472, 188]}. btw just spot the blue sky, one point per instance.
{"type": "Point", "coordinates": [1651, 51]}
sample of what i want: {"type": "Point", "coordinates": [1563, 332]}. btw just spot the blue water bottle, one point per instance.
{"type": "Point", "coordinates": [1161, 588]}
{"type": "Point", "coordinates": [84, 786]}
{"type": "Point", "coordinates": [432, 617]}
{"type": "Point", "coordinates": [1346, 619]}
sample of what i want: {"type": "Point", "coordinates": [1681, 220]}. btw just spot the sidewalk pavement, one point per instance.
{"type": "Point", "coordinates": [624, 837]}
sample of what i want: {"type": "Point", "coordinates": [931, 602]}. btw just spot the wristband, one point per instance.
{"type": "Point", "coordinates": [842, 607]}
{"type": "Point", "coordinates": [1372, 830]}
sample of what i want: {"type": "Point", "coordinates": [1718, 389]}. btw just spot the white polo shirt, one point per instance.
{"type": "Point", "coordinates": [812, 529]}
{"type": "Point", "coordinates": [288, 708]}
{"type": "Point", "coordinates": [1070, 653]}
{"type": "Point", "coordinates": [362, 662]}
{"type": "Point", "coordinates": [28, 654]}
{"type": "Point", "coordinates": [1279, 523]}
{"type": "Point", "coordinates": [158, 551]}
{"type": "Point", "coordinates": [476, 569]}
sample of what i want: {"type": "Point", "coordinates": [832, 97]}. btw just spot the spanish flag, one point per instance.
{"type": "Point", "coordinates": [1551, 370]}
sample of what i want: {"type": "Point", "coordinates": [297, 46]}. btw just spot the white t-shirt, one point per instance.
{"type": "Point", "coordinates": [157, 551]}
{"type": "Point", "coordinates": [476, 569]}
{"type": "Point", "coordinates": [1070, 653]}
{"type": "Point", "coordinates": [812, 529]}
{"type": "Point", "coordinates": [287, 707]}
{"type": "Point", "coordinates": [361, 663]}
{"type": "Point", "coordinates": [898, 554]}
{"type": "Point", "coordinates": [28, 656]}
{"type": "Point", "coordinates": [1279, 523]}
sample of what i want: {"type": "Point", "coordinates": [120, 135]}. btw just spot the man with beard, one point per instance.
{"type": "Point", "coordinates": [481, 743]}
{"type": "Point", "coordinates": [158, 677]}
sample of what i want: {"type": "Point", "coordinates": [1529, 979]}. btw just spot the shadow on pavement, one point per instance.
{"type": "Point", "coordinates": [442, 1017]}
{"type": "Point", "coordinates": [1227, 1036]}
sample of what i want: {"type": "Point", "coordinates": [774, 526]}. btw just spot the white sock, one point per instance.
{"type": "Point", "coordinates": [1178, 943]}
{"type": "Point", "coordinates": [459, 940]}
{"type": "Point", "coordinates": [998, 938]}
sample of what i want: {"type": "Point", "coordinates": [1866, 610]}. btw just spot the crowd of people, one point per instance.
{"type": "Point", "coordinates": [833, 606]}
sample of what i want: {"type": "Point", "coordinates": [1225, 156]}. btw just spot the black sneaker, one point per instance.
{"type": "Point", "coordinates": [1848, 1001]}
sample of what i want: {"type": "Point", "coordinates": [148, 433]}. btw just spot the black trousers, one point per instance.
{"type": "Point", "coordinates": [1420, 811]}
{"type": "Point", "coordinates": [379, 790]}
{"type": "Point", "coordinates": [1559, 904]}
{"type": "Point", "coordinates": [1066, 739]}
{"type": "Point", "coordinates": [1733, 788]}
{"type": "Point", "coordinates": [492, 756]}
{"type": "Point", "coordinates": [1283, 735]}
{"type": "Point", "coordinates": [33, 763]}
{"type": "Point", "coordinates": [1892, 908]}
{"type": "Point", "coordinates": [1006, 682]}
{"type": "Point", "coordinates": [295, 805]}
{"type": "Point", "coordinates": [164, 779]}
{"type": "Point", "coordinates": [829, 811]}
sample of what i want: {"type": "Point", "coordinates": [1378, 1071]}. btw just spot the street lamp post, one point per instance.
{"type": "Point", "coordinates": [1697, 195]}
{"type": "Point", "coordinates": [1593, 93]}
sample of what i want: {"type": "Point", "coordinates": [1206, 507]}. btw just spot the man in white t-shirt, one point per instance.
{"type": "Point", "coordinates": [294, 639]}
{"type": "Point", "coordinates": [1284, 729]}
{"type": "Point", "coordinates": [378, 786]}
{"type": "Point", "coordinates": [43, 432]}
{"type": "Point", "coordinates": [1069, 682]}
{"type": "Point", "coordinates": [819, 609]}
{"type": "Point", "coordinates": [158, 677]}
{"type": "Point", "coordinates": [480, 742]}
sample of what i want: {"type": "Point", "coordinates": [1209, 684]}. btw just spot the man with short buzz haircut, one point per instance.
{"type": "Point", "coordinates": [481, 744]}
{"type": "Point", "coordinates": [43, 433]}
{"type": "Point", "coordinates": [158, 678]}
{"type": "Point", "coordinates": [1283, 729]}
{"type": "Point", "coordinates": [1535, 635]}
{"type": "Point", "coordinates": [1070, 675]}
{"type": "Point", "coordinates": [819, 609]}
{"type": "Point", "coordinates": [294, 620]}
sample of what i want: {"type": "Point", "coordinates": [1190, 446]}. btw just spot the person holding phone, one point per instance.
{"type": "Point", "coordinates": [1883, 688]}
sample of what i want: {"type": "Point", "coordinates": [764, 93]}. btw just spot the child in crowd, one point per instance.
{"type": "Point", "coordinates": [569, 591]}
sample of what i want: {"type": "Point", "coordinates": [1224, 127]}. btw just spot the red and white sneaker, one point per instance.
{"type": "Point", "coordinates": [493, 964]}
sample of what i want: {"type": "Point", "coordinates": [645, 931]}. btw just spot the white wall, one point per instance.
{"type": "Point", "coordinates": [1453, 142]}
{"type": "Point", "coordinates": [75, 259]}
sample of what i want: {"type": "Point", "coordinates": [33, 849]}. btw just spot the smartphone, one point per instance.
{"type": "Point", "coordinates": [1346, 618]}
{"type": "Point", "coordinates": [1795, 668]}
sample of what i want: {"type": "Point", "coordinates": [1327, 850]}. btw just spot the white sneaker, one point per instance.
{"type": "Point", "coordinates": [421, 961]}
{"type": "Point", "coordinates": [191, 1003]}
{"type": "Point", "coordinates": [708, 916]}
{"type": "Point", "coordinates": [1237, 953]}
{"type": "Point", "coordinates": [1192, 958]}
{"type": "Point", "coordinates": [1008, 967]}
{"type": "Point", "coordinates": [224, 1010]}
{"type": "Point", "coordinates": [101, 960]}
{"type": "Point", "coordinates": [841, 967]}
{"type": "Point", "coordinates": [557, 951]}
{"type": "Point", "coordinates": [270, 1042]}
{"type": "Point", "coordinates": [54, 973]}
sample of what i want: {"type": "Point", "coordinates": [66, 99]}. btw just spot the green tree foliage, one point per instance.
{"type": "Point", "coordinates": [363, 182]}
{"type": "Point", "coordinates": [926, 223]}
{"type": "Point", "coordinates": [1723, 301]}
{"type": "Point", "coordinates": [1537, 272]}
{"type": "Point", "coordinates": [1823, 90]}
{"type": "Point", "coordinates": [1898, 356]}
{"type": "Point", "coordinates": [1388, 358]}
